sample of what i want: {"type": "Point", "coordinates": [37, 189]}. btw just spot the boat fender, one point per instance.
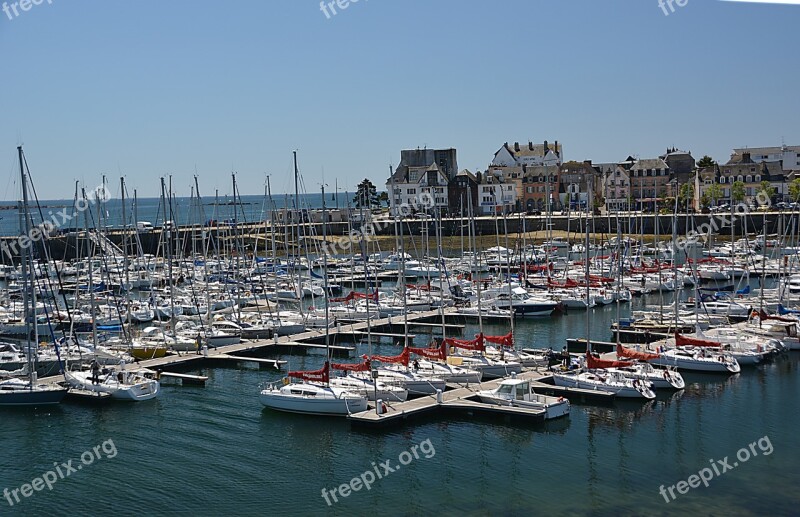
{"type": "Point", "coordinates": [285, 381]}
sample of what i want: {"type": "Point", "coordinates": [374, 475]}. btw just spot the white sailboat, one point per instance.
{"type": "Point", "coordinates": [314, 395]}
{"type": "Point", "coordinates": [17, 391]}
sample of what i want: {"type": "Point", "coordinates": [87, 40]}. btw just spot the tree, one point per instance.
{"type": "Point", "coordinates": [714, 192]}
{"type": "Point", "coordinates": [366, 195]}
{"type": "Point", "coordinates": [767, 191]}
{"type": "Point", "coordinates": [738, 191]}
{"type": "Point", "coordinates": [686, 193]}
{"type": "Point", "coordinates": [384, 198]}
{"type": "Point", "coordinates": [794, 190]}
{"type": "Point", "coordinates": [706, 161]}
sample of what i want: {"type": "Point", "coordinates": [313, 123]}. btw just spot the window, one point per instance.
{"type": "Point", "coordinates": [412, 191]}
{"type": "Point", "coordinates": [722, 179]}
{"type": "Point", "coordinates": [529, 190]}
{"type": "Point", "coordinates": [758, 178]}
{"type": "Point", "coordinates": [741, 178]}
{"type": "Point", "coordinates": [541, 179]}
{"type": "Point", "coordinates": [748, 179]}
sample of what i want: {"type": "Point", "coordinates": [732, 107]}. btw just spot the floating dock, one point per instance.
{"type": "Point", "coordinates": [463, 399]}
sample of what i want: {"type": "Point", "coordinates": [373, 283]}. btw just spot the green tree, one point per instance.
{"type": "Point", "coordinates": [704, 200]}
{"type": "Point", "coordinates": [706, 161]}
{"type": "Point", "coordinates": [686, 192]}
{"type": "Point", "coordinates": [794, 190]}
{"type": "Point", "coordinates": [766, 190]}
{"type": "Point", "coordinates": [714, 193]}
{"type": "Point", "coordinates": [366, 195]}
{"type": "Point", "coordinates": [738, 191]}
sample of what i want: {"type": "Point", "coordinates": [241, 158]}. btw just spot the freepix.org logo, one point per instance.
{"type": "Point", "coordinates": [15, 9]}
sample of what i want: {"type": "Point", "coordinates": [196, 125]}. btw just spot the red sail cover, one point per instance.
{"type": "Point", "coordinates": [473, 344]}
{"type": "Point", "coordinates": [681, 340]}
{"type": "Point", "coordinates": [364, 366]}
{"type": "Point", "coordinates": [593, 362]}
{"type": "Point", "coordinates": [507, 340]}
{"type": "Point", "coordinates": [396, 359]}
{"type": "Point", "coordinates": [356, 296]}
{"type": "Point", "coordinates": [431, 353]}
{"type": "Point", "coordinates": [321, 375]}
{"type": "Point", "coordinates": [633, 354]}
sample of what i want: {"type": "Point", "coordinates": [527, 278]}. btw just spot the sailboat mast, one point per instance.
{"type": "Point", "coordinates": [325, 280]}
{"type": "Point", "coordinates": [168, 230]}
{"type": "Point", "coordinates": [125, 251]}
{"type": "Point", "coordinates": [25, 256]}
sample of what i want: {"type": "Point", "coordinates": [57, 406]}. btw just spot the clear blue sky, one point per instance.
{"type": "Point", "coordinates": [150, 88]}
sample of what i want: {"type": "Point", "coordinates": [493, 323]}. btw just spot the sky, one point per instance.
{"type": "Point", "coordinates": [147, 89]}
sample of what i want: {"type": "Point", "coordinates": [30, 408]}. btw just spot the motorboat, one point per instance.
{"type": "Point", "coordinates": [519, 393]}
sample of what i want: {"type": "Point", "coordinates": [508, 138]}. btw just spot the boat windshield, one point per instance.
{"type": "Point", "coordinates": [505, 389]}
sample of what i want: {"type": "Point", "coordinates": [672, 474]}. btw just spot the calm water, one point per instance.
{"type": "Point", "coordinates": [213, 450]}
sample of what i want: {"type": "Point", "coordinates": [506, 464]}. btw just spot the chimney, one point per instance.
{"type": "Point", "coordinates": [556, 149]}
{"type": "Point", "coordinates": [516, 146]}
{"type": "Point", "coordinates": [530, 145]}
{"type": "Point", "coordinates": [544, 151]}
{"type": "Point", "coordinates": [588, 162]}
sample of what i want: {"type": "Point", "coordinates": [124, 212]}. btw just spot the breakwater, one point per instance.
{"type": "Point", "coordinates": [258, 236]}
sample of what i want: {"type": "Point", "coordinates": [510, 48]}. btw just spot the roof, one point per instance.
{"type": "Point", "coordinates": [530, 149]}
{"type": "Point", "coordinates": [767, 150]}
{"type": "Point", "coordinates": [650, 163]}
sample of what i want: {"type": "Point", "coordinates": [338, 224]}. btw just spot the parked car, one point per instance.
{"type": "Point", "coordinates": [144, 226]}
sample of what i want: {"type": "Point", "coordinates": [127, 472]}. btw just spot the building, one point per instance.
{"type": "Point", "coordinates": [513, 174]}
{"type": "Point", "coordinates": [752, 174]}
{"type": "Point", "coordinates": [460, 189]}
{"type": "Point", "coordinates": [681, 164]}
{"type": "Point", "coordinates": [788, 156]}
{"type": "Point", "coordinates": [530, 155]}
{"type": "Point", "coordinates": [496, 193]}
{"type": "Point", "coordinates": [540, 188]}
{"type": "Point", "coordinates": [576, 181]}
{"type": "Point", "coordinates": [649, 182]}
{"type": "Point", "coordinates": [617, 189]}
{"type": "Point", "coordinates": [422, 172]}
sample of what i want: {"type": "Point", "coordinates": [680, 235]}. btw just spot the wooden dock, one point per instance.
{"type": "Point", "coordinates": [461, 399]}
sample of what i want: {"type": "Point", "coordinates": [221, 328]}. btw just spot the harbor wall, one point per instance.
{"type": "Point", "coordinates": [248, 237]}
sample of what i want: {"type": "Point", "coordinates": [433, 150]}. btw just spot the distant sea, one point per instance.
{"type": "Point", "coordinates": [185, 211]}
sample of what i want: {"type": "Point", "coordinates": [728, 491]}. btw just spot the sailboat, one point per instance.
{"type": "Point", "coordinates": [314, 395]}
{"type": "Point", "coordinates": [18, 391]}
{"type": "Point", "coordinates": [119, 382]}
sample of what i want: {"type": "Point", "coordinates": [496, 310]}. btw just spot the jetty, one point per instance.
{"type": "Point", "coordinates": [465, 400]}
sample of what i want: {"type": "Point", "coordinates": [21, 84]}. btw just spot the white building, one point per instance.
{"type": "Point", "coordinates": [530, 155]}
{"type": "Point", "coordinates": [788, 155]}
{"type": "Point", "coordinates": [497, 193]}
{"type": "Point", "coordinates": [418, 189]}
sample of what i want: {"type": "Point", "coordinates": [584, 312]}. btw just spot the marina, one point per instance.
{"type": "Point", "coordinates": [364, 258]}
